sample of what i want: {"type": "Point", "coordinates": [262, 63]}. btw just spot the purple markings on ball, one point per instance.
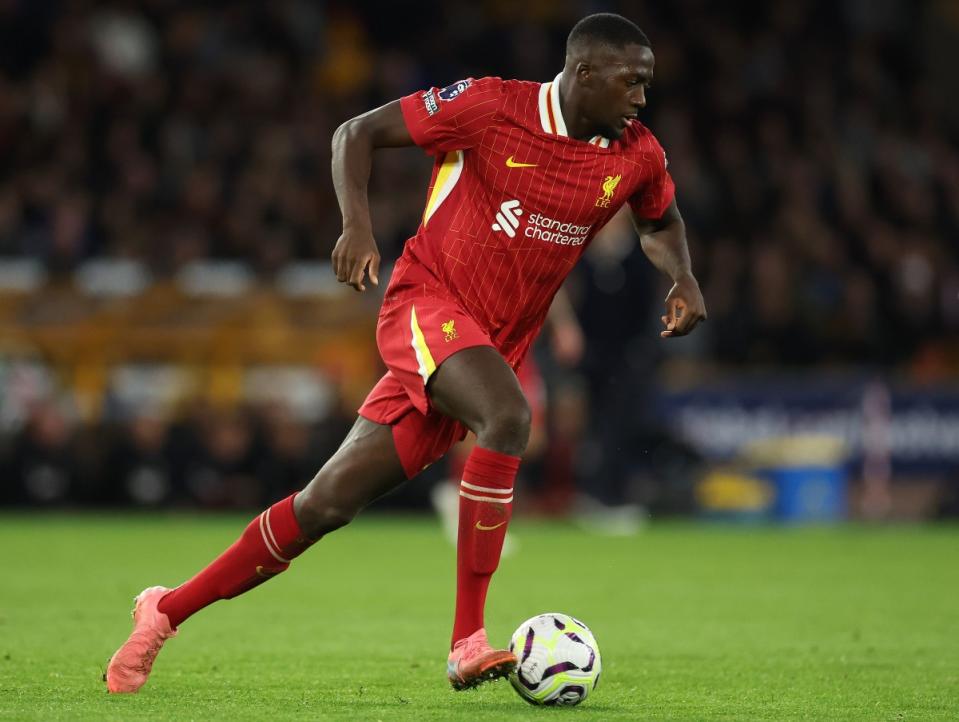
{"type": "Point", "coordinates": [563, 698]}
{"type": "Point", "coordinates": [592, 658]}
{"type": "Point", "coordinates": [528, 647]}
{"type": "Point", "coordinates": [558, 623]}
{"type": "Point", "coordinates": [592, 653]}
{"type": "Point", "coordinates": [531, 686]}
{"type": "Point", "coordinates": [557, 668]}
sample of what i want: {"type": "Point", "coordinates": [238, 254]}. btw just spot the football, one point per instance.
{"type": "Point", "coordinates": [558, 660]}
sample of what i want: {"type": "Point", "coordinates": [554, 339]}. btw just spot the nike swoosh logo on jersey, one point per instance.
{"type": "Point", "coordinates": [510, 163]}
{"type": "Point", "coordinates": [481, 527]}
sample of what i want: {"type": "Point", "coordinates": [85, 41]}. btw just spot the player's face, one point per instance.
{"type": "Point", "coordinates": [616, 88]}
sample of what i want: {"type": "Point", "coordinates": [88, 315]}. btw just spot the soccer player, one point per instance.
{"type": "Point", "coordinates": [525, 175]}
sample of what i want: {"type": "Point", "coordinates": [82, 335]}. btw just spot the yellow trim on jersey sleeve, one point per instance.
{"type": "Point", "coordinates": [449, 174]}
{"type": "Point", "coordinates": [423, 356]}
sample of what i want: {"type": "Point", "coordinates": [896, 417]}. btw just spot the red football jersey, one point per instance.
{"type": "Point", "coordinates": [514, 201]}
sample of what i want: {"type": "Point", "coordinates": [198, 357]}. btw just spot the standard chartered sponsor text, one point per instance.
{"type": "Point", "coordinates": [553, 231]}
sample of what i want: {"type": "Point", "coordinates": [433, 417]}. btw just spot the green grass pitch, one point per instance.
{"type": "Point", "coordinates": [694, 622]}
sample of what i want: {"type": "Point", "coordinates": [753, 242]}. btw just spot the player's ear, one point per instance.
{"type": "Point", "coordinates": [583, 72]}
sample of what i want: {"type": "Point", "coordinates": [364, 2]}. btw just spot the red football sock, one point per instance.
{"type": "Point", "coordinates": [266, 548]}
{"type": "Point", "coordinates": [486, 495]}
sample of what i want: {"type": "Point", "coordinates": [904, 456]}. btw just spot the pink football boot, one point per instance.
{"type": "Point", "coordinates": [473, 662]}
{"type": "Point", "coordinates": [130, 665]}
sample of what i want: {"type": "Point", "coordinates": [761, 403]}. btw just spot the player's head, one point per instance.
{"type": "Point", "coordinates": [611, 64]}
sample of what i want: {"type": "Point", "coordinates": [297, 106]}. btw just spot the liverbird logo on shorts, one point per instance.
{"type": "Point", "coordinates": [449, 330]}
{"type": "Point", "coordinates": [609, 187]}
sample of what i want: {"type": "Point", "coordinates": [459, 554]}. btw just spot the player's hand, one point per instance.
{"type": "Point", "coordinates": [354, 253]}
{"type": "Point", "coordinates": [685, 308]}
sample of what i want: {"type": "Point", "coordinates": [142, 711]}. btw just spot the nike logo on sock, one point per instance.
{"type": "Point", "coordinates": [481, 527]}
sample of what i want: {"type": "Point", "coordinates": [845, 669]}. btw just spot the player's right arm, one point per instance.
{"type": "Point", "coordinates": [353, 146]}
{"type": "Point", "coordinates": [437, 120]}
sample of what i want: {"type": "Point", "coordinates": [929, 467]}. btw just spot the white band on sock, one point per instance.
{"type": "Point", "coordinates": [265, 528]}
{"type": "Point", "coordinates": [487, 498]}
{"type": "Point", "coordinates": [487, 489]}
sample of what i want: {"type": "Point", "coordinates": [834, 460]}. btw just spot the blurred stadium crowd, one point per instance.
{"type": "Point", "coordinates": [813, 144]}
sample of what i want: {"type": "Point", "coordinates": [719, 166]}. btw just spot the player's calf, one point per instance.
{"type": "Point", "coordinates": [321, 508]}
{"type": "Point", "coordinates": [365, 467]}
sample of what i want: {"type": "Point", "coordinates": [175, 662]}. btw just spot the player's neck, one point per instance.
{"type": "Point", "coordinates": [576, 125]}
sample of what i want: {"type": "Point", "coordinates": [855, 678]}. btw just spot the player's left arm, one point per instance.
{"type": "Point", "coordinates": [664, 242]}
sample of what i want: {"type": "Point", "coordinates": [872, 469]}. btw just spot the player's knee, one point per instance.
{"type": "Point", "coordinates": [507, 427]}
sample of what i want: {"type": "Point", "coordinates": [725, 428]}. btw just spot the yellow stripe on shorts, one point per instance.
{"type": "Point", "coordinates": [422, 351]}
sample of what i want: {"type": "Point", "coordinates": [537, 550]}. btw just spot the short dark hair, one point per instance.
{"type": "Point", "coordinates": [606, 28]}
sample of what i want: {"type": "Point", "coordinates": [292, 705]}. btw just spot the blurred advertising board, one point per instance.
{"type": "Point", "coordinates": [911, 429]}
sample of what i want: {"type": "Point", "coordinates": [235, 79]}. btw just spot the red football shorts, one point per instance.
{"type": "Point", "coordinates": [414, 337]}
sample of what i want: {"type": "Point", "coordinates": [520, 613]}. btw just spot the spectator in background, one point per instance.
{"type": "Point", "coordinates": [290, 458]}
{"type": "Point", "coordinates": [222, 473]}
{"type": "Point", "coordinates": [42, 467]}
{"type": "Point", "coordinates": [140, 468]}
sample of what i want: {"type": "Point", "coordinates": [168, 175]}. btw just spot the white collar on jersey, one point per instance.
{"type": "Point", "coordinates": [551, 115]}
